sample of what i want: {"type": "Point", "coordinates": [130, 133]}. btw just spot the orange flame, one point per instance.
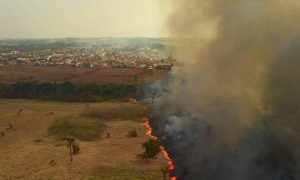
{"type": "Point", "coordinates": [163, 150]}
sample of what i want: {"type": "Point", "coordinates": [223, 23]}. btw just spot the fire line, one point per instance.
{"type": "Point", "coordinates": [162, 149]}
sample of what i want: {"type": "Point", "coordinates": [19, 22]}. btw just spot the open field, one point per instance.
{"type": "Point", "coordinates": [29, 151]}
{"type": "Point", "coordinates": [10, 74]}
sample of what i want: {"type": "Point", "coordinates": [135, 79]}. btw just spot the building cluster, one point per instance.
{"type": "Point", "coordinates": [87, 57]}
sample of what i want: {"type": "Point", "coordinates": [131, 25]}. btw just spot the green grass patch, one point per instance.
{"type": "Point", "coordinates": [124, 111]}
{"type": "Point", "coordinates": [77, 127]}
{"type": "Point", "coordinates": [119, 173]}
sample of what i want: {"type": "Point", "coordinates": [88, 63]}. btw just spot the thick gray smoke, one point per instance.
{"type": "Point", "coordinates": [232, 112]}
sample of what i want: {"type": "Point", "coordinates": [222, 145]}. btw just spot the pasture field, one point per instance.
{"type": "Point", "coordinates": [30, 149]}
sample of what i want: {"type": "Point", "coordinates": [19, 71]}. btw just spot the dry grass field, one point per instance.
{"type": "Point", "coordinates": [29, 151]}
{"type": "Point", "coordinates": [10, 74]}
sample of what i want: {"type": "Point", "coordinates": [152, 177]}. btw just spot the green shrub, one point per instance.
{"type": "Point", "coordinates": [151, 149]}
{"type": "Point", "coordinates": [79, 128]}
{"type": "Point", "coordinates": [132, 133]}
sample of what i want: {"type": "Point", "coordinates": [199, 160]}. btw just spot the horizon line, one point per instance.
{"type": "Point", "coordinates": [99, 37]}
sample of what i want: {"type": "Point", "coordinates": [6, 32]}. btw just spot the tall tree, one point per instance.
{"type": "Point", "coordinates": [70, 146]}
{"type": "Point", "coordinates": [151, 148]}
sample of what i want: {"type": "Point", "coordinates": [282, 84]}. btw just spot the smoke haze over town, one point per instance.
{"type": "Point", "coordinates": [150, 89]}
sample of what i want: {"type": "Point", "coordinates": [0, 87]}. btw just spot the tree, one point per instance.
{"type": "Point", "coordinates": [151, 149]}
{"type": "Point", "coordinates": [70, 146]}
{"type": "Point", "coordinates": [66, 91]}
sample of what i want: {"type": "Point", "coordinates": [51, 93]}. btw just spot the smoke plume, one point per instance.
{"type": "Point", "coordinates": [231, 112]}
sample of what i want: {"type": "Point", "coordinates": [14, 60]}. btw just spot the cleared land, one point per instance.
{"type": "Point", "coordinates": [10, 74]}
{"type": "Point", "coordinates": [29, 151]}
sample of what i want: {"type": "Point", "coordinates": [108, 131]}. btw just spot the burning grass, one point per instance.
{"type": "Point", "coordinates": [124, 111]}
{"type": "Point", "coordinates": [79, 128]}
{"type": "Point", "coordinates": [149, 133]}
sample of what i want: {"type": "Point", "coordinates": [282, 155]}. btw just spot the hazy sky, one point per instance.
{"type": "Point", "coordinates": [80, 18]}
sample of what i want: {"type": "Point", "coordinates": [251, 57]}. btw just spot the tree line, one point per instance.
{"type": "Point", "coordinates": [66, 91]}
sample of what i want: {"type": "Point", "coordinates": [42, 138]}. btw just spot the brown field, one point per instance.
{"type": "Point", "coordinates": [28, 151]}
{"type": "Point", "coordinates": [10, 74]}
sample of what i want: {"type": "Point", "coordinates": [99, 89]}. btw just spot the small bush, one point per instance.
{"type": "Point", "coordinates": [10, 126]}
{"type": "Point", "coordinates": [79, 128]}
{"type": "Point", "coordinates": [151, 150]}
{"type": "Point", "coordinates": [19, 112]}
{"type": "Point", "coordinates": [107, 135]}
{"type": "Point", "coordinates": [50, 113]}
{"type": "Point", "coordinates": [76, 148]}
{"type": "Point", "coordinates": [126, 111]}
{"type": "Point", "coordinates": [52, 162]}
{"type": "Point", "coordinates": [132, 133]}
{"type": "Point", "coordinates": [39, 140]}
